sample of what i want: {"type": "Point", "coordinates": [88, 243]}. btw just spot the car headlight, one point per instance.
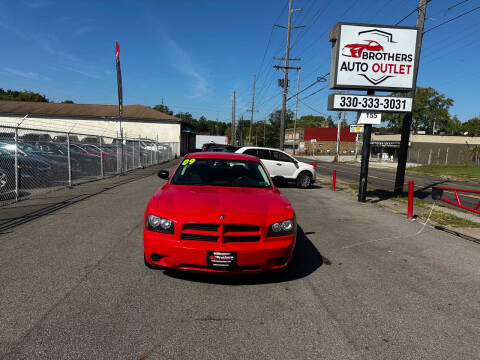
{"type": "Point", "coordinates": [281, 228]}
{"type": "Point", "coordinates": [159, 224]}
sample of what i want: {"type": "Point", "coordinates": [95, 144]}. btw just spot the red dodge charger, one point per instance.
{"type": "Point", "coordinates": [219, 213]}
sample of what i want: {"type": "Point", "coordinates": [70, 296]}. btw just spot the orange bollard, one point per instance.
{"type": "Point", "coordinates": [334, 179]}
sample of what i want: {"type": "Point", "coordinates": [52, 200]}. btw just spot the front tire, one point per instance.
{"type": "Point", "coordinates": [304, 180]}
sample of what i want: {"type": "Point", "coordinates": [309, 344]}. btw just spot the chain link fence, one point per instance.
{"type": "Point", "coordinates": [34, 161]}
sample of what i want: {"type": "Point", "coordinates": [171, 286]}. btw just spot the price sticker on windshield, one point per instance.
{"type": "Point", "coordinates": [369, 103]}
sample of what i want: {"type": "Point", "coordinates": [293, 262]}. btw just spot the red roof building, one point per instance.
{"type": "Point", "coordinates": [328, 134]}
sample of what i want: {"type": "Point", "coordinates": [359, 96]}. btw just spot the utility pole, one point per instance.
{"type": "Point", "coordinates": [285, 78]}
{"type": "Point", "coordinates": [407, 120]}
{"type": "Point", "coordinates": [296, 113]}
{"type": "Point", "coordinates": [233, 119]}
{"type": "Point", "coordinates": [252, 110]}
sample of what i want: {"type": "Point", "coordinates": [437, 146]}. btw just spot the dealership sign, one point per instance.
{"type": "Point", "coordinates": [369, 103]}
{"type": "Point", "coordinates": [357, 129]}
{"type": "Point", "coordinates": [373, 57]}
{"type": "Point", "coordinates": [369, 118]}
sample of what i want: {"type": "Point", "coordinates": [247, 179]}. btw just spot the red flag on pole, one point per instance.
{"type": "Point", "coordinates": [119, 81]}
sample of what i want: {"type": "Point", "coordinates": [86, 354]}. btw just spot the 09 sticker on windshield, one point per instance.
{"type": "Point", "coordinates": [188, 161]}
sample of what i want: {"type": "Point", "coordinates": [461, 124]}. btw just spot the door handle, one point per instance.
{"type": "Point", "coordinates": [279, 164]}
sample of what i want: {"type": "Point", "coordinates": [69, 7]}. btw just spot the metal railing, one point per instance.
{"type": "Point", "coordinates": [33, 161]}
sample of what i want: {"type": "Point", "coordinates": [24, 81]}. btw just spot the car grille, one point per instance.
{"type": "Point", "coordinates": [240, 228]}
{"type": "Point", "coordinates": [201, 227]}
{"type": "Point", "coordinates": [199, 237]}
{"type": "Point", "coordinates": [229, 233]}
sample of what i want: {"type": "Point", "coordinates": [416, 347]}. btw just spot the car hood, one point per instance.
{"type": "Point", "coordinates": [207, 203]}
{"type": "Point", "coordinates": [302, 164]}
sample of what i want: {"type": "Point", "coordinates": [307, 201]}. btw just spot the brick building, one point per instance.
{"type": "Point", "coordinates": [320, 141]}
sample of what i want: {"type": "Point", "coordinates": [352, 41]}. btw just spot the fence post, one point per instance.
{"type": "Point", "coordinates": [126, 153]}
{"type": "Point", "coordinates": [430, 157]}
{"type": "Point", "coordinates": [69, 161]}
{"type": "Point", "coordinates": [446, 156]}
{"type": "Point", "coordinates": [133, 154]}
{"type": "Point", "coordinates": [101, 157]}
{"type": "Point", "coordinates": [438, 156]}
{"type": "Point", "coordinates": [16, 165]}
{"type": "Point", "coordinates": [410, 199]}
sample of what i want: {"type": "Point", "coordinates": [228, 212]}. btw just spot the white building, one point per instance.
{"type": "Point", "coordinates": [102, 120]}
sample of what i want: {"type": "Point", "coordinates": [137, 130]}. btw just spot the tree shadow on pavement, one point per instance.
{"type": "Point", "coordinates": [306, 259]}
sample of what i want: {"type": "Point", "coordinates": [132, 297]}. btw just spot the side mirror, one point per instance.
{"type": "Point", "coordinates": [163, 174]}
{"type": "Point", "coordinates": [437, 193]}
{"type": "Point", "coordinates": [279, 181]}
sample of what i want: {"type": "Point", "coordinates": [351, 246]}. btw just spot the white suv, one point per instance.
{"type": "Point", "coordinates": [279, 163]}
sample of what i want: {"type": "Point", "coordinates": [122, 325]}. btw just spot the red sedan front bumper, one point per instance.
{"type": "Point", "coordinates": [252, 257]}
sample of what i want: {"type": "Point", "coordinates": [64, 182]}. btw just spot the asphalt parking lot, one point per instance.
{"type": "Point", "coordinates": [364, 284]}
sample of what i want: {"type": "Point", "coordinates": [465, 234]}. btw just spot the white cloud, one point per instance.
{"type": "Point", "coordinates": [182, 61]}
{"type": "Point", "coordinates": [24, 74]}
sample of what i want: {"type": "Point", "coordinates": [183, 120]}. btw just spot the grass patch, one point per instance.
{"type": "Point", "coordinates": [462, 172]}
{"type": "Point", "coordinates": [443, 218]}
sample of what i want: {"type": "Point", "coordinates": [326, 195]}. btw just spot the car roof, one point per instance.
{"type": "Point", "coordinates": [258, 147]}
{"type": "Point", "coordinates": [221, 155]}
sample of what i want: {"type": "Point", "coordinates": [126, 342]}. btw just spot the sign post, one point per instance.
{"type": "Point", "coordinates": [372, 58]}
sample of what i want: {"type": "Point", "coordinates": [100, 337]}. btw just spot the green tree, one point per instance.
{"type": "Point", "coordinates": [188, 118]}
{"type": "Point", "coordinates": [472, 127]}
{"type": "Point", "coordinates": [273, 127]}
{"type": "Point", "coordinates": [202, 124]}
{"type": "Point", "coordinates": [311, 121]}
{"type": "Point", "coordinates": [429, 108]}
{"type": "Point", "coordinates": [163, 108]}
{"type": "Point", "coordinates": [453, 126]}
{"type": "Point", "coordinates": [330, 122]}
{"type": "Point", "coordinates": [14, 95]}
{"type": "Point", "coordinates": [68, 102]}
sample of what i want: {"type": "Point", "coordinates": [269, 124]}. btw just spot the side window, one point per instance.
{"type": "Point", "coordinates": [264, 154]}
{"type": "Point", "coordinates": [278, 156]}
{"type": "Point", "coordinates": [252, 152]}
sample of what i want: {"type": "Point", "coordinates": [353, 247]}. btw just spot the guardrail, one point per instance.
{"type": "Point", "coordinates": [437, 194]}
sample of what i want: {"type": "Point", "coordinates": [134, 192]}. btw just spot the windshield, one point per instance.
{"type": "Point", "coordinates": [221, 172]}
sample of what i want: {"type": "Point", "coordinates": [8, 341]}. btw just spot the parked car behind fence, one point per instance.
{"type": "Point", "coordinates": [32, 162]}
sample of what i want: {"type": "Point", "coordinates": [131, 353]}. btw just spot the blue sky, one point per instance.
{"type": "Point", "coordinates": [194, 53]}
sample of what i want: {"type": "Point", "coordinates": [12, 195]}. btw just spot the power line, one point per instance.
{"type": "Point", "coordinates": [311, 108]}
{"type": "Point", "coordinates": [452, 19]}
{"type": "Point", "coordinates": [410, 13]}
{"type": "Point", "coordinates": [319, 79]}
{"type": "Point", "coordinates": [315, 92]}
{"type": "Point", "coordinates": [313, 20]}
{"type": "Point", "coordinates": [457, 4]}
{"type": "Point", "coordinates": [269, 40]}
